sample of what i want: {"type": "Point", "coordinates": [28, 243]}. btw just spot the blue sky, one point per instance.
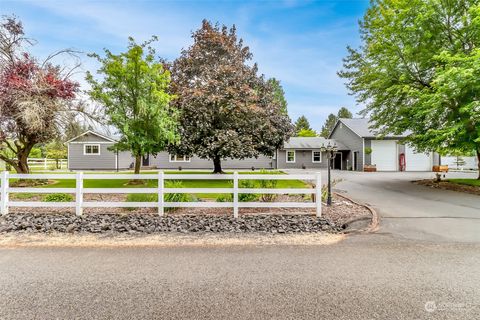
{"type": "Point", "coordinates": [301, 43]}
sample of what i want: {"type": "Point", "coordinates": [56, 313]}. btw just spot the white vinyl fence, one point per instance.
{"type": "Point", "coordinates": [45, 163]}
{"type": "Point", "coordinates": [79, 191]}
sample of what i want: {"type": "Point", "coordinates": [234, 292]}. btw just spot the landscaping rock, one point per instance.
{"type": "Point", "coordinates": [151, 223]}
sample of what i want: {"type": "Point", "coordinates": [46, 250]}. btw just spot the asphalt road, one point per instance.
{"type": "Point", "coordinates": [364, 277]}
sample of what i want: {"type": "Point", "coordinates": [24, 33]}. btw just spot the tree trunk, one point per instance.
{"type": "Point", "coordinates": [478, 163]}
{"type": "Point", "coordinates": [217, 165]}
{"type": "Point", "coordinates": [138, 164]}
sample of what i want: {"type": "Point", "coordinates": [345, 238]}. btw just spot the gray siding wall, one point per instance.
{"type": "Point", "coordinates": [302, 158]}
{"type": "Point", "coordinates": [78, 161]}
{"type": "Point", "coordinates": [352, 141]}
{"type": "Point", "coordinates": [90, 138]}
{"type": "Point", "coordinates": [125, 160]}
{"type": "Point", "coordinates": [162, 161]}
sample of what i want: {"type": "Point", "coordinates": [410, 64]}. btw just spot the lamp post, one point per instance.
{"type": "Point", "coordinates": [331, 150]}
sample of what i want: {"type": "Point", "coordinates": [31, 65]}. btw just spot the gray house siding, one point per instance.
{"type": "Point", "coordinates": [162, 161]}
{"type": "Point", "coordinates": [106, 160]}
{"type": "Point", "coordinates": [352, 141]}
{"type": "Point", "coordinates": [303, 158]}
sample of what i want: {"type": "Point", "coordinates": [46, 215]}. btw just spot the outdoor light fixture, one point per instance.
{"type": "Point", "coordinates": [331, 151]}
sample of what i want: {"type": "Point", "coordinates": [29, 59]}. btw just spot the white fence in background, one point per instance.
{"type": "Point", "coordinates": [46, 163]}
{"type": "Point", "coordinates": [79, 191]}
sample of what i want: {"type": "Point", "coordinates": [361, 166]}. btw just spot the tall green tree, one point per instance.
{"type": "Point", "coordinates": [279, 94]}
{"type": "Point", "coordinates": [344, 113]}
{"type": "Point", "coordinates": [418, 70]}
{"type": "Point", "coordinates": [306, 133]}
{"type": "Point", "coordinates": [227, 110]}
{"type": "Point", "coordinates": [133, 90]}
{"type": "Point", "coordinates": [302, 124]}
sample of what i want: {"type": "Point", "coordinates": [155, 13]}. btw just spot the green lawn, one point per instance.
{"type": "Point", "coordinates": [123, 183]}
{"type": "Point", "coordinates": [468, 182]}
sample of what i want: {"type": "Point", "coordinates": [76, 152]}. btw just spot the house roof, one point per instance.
{"type": "Point", "coordinates": [95, 134]}
{"type": "Point", "coordinates": [311, 143]}
{"type": "Point", "coordinates": [362, 127]}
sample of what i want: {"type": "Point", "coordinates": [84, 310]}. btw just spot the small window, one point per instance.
{"type": "Point", "coordinates": [91, 149]}
{"type": "Point", "coordinates": [316, 156]}
{"type": "Point", "coordinates": [291, 156]}
{"type": "Point", "coordinates": [178, 158]}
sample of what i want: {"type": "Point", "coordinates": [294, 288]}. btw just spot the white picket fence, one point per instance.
{"type": "Point", "coordinates": [45, 163]}
{"type": "Point", "coordinates": [79, 191]}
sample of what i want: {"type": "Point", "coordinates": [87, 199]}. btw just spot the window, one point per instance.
{"type": "Point", "coordinates": [291, 156]}
{"type": "Point", "coordinates": [316, 156]}
{"type": "Point", "coordinates": [91, 149]}
{"type": "Point", "coordinates": [177, 158]}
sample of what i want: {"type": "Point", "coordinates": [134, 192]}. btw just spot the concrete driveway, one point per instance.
{"type": "Point", "coordinates": [412, 211]}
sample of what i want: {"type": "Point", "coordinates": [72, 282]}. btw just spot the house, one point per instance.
{"type": "Point", "coordinates": [357, 146]}
{"type": "Point", "coordinates": [364, 147]}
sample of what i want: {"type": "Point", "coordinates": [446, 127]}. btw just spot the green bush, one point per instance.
{"type": "Point", "coordinates": [168, 197]}
{"type": "Point", "coordinates": [58, 197]}
{"type": "Point", "coordinates": [242, 197]}
{"type": "Point", "coordinates": [267, 184]}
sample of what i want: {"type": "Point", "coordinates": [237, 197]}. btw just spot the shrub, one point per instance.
{"type": "Point", "coordinates": [58, 197]}
{"type": "Point", "coordinates": [368, 150]}
{"type": "Point", "coordinates": [325, 188]}
{"type": "Point", "coordinates": [242, 197]}
{"type": "Point", "coordinates": [168, 197]}
{"type": "Point", "coordinates": [267, 184]}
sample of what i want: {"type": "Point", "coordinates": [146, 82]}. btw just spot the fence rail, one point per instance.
{"type": "Point", "coordinates": [46, 162]}
{"type": "Point", "coordinates": [160, 190]}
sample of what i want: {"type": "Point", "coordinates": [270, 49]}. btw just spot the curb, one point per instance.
{"type": "Point", "coordinates": [375, 221]}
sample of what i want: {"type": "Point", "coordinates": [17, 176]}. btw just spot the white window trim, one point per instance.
{"type": "Point", "coordinates": [313, 158]}
{"type": "Point", "coordinates": [294, 156]}
{"type": "Point", "coordinates": [185, 158]}
{"type": "Point", "coordinates": [91, 154]}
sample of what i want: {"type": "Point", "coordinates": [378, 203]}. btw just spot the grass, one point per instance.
{"type": "Point", "coordinates": [468, 182]}
{"type": "Point", "coordinates": [187, 183]}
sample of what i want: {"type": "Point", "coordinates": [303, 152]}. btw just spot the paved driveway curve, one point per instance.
{"type": "Point", "coordinates": [415, 212]}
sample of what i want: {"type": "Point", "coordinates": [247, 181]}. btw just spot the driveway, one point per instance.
{"type": "Point", "coordinates": [412, 211]}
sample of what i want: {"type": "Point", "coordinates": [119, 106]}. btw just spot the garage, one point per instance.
{"type": "Point", "coordinates": [384, 155]}
{"type": "Point", "coordinates": [417, 161]}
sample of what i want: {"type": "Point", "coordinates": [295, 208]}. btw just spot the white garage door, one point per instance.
{"type": "Point", "coordinates": [417, 161]}
{"type": "Point", "coordinates": [384, 154]}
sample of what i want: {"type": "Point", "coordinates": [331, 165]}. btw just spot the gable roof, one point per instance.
{"type": "Point", "coordinates": [93, 133]}
{"type": "Point", "coordinates": [310, 143]}
{"type": "Point", "coordinates": [362, 128]}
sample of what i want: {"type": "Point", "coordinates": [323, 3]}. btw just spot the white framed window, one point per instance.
{"type": "Point", "coordinates": [91, 149]}
{"type": "Point", "coordinates": [178, 158]}
{"type": "Point", "coordinates": [291, 156]}
{"type": "Point", "coordinates": [316, 156]}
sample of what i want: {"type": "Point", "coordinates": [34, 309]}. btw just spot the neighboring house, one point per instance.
{"type": "Point", "coordinates": [387, 153]}
{"type": "Point", "coordinates": [90, 151]}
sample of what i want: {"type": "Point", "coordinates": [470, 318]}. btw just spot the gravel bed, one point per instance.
{"type": "Point", "coordinates": [150, 223]}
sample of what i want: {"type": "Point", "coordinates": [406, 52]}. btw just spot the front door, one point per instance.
{"type": "Point", "coordinates": [355, 161]}
{"type": "Point", "coordinates": [146, 160]}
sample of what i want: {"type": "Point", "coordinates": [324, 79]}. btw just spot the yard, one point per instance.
{"type": "Point", "coordinates": [467, 182]}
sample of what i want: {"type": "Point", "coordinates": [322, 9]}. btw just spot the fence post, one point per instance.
{"type": "Point", "coordinates": [45, 163]}
{"type": "Point", "coordinates": [79, 194]}
{"type": "Point", "coordinates": [4, 193]}
{"type": "Point", "coordinates": [235, 194]}
{"type": "Point", "coordinates": [161, 184]}
{"type": "Point", "coordinates": [318, 193]}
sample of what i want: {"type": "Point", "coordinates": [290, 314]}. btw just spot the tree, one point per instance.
{"type": "Point", "coordinates": [279, 94]}
{"type": "Point", "coordinates": [344, 113]}
{"type": "Point", "coordinates": [227, 110]}
{"type": "Point", "coordinates": [133, 91]}
{"type": "Point", "coordinates": [328, 125]}
{"type": "Point", "coordinates": [306, 133]}
{"type": "Point", "coordinates": [418, 69]}
{"type": "Point", "coordinates": [56, 150]}
{"type": "Point", "coordinates": [34, 96]}
{"type": "Point", "coordinates": [302, 124]}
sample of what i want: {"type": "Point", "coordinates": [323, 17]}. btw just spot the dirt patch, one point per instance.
{"type": "Point", "coordinates": [164, 240]}
{"type": "Point", "coordinates": [446, 185]}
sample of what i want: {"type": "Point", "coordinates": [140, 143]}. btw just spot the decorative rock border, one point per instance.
{"type": "Point", "coordinates": [150, 223]}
